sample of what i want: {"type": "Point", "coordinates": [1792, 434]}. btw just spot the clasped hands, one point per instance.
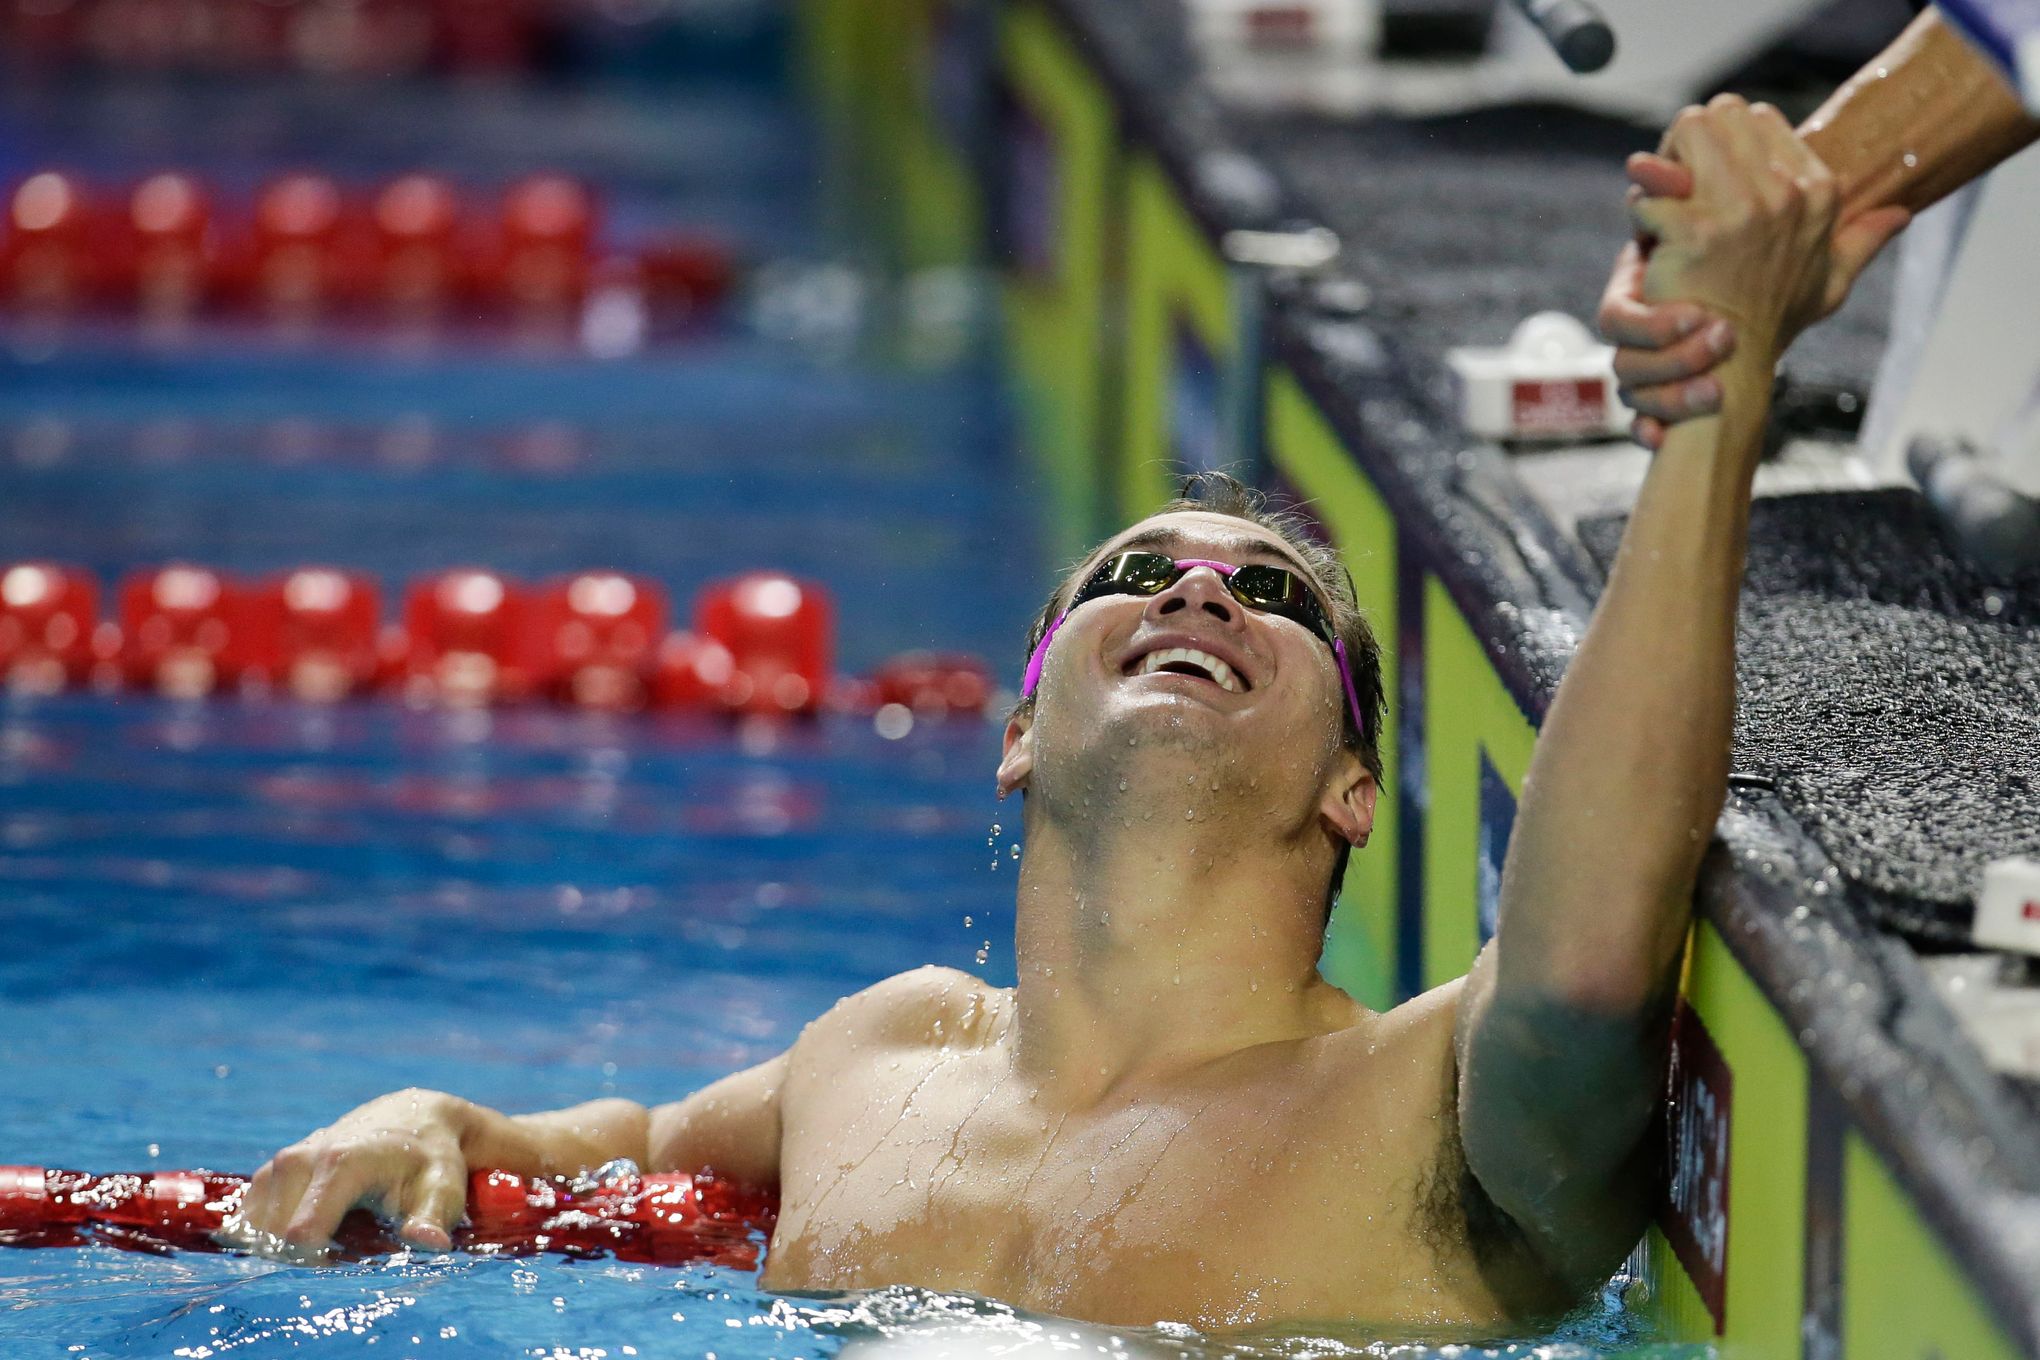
{"type": "Point", "coordinates": [1742, 242]}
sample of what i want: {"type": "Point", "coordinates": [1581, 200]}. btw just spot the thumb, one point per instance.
{"type": "Point", "coordinates": [1660, 176]}
{"type": "Point", "coordinates": [433, 1203]}
{"type": "Point", "coordinates": [1856, 243]}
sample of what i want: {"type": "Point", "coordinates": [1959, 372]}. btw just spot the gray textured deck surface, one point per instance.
{"type": "Point", "coordinates": [1893, 694]}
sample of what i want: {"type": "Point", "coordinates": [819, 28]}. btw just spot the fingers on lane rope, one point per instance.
{"type": "Point", "coordinates": [275, 1189]}
{"type": "Point", "coordinates": [432, 1203]}
{"type": "Point", "coordinates": [338, 1183]}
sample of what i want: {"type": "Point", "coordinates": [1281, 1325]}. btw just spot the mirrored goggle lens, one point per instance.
{"type": "Point", "coordinates": [1268, 587]}
{"type": "Point", "coordinates": [1130, 574]}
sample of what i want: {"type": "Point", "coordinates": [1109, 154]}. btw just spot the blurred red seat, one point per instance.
{"type": "Point", "coordinates": [779, 632]}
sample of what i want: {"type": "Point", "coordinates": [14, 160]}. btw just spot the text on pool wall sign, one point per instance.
{"type": "Point", "coordinates": [1694, 1215]}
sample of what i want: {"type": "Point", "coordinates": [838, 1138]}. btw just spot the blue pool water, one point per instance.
{"type": "Point", "coordinates": [226, 923]}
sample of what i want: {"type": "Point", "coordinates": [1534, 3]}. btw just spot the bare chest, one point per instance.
{"type": "Point", "coordinates": [1221, 1206]}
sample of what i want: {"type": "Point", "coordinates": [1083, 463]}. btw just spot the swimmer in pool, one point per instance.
{"type": "Point", "coordinates": [1172, 1116]}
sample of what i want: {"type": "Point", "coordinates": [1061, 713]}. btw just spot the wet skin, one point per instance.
{"type": "Point", "coordinates": [1293, 1180]}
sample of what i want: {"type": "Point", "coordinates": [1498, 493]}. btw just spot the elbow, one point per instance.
{"type": "Point", "coordinates": [1618, 964]}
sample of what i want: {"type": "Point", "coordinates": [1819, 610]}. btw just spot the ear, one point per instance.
{"type": "Point", "coordinates": [1348, 804]}
{"type": "Point", "coordinates": [1016, 760]}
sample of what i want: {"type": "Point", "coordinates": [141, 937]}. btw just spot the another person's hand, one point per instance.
{"type": "Point", "coordinates": [399, 1155]}
{"type": "Point", "coordinates": [1665, 352]}
{"type": "Point", "coordinates": [1752, 243]}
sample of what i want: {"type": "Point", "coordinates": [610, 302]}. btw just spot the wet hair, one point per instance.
{"type": "Point", "coordinates": [1218, 493]}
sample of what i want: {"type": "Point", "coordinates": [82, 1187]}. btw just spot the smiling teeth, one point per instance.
{"type": "Point", "coordinates": [1210, 664]}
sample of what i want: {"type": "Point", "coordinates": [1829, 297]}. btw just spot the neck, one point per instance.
{"type": "Point", "coordinates": [1150, 942]}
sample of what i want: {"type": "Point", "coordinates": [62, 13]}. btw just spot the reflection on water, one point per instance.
{"type": "Point", "coordinates": [200, 1307]}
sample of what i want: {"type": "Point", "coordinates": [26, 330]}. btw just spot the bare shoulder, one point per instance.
{"type": "Point", "coordinates": [1416, 1034]}
{"type": "Point", "coordinates": [925, 1007]}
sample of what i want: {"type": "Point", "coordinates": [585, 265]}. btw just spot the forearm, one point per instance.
{"type": "Point", "coordinates": [1928, 115]}
{"type": "Point", "coordinates": [1630, 767]}
{"type": "Point", "coordinates": [554, 1143]}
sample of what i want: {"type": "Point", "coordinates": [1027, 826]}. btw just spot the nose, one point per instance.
{"type": "Point", "coordinates": [1198, 588]}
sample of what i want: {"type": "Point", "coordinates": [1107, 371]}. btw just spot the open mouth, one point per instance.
{"type": "Point", "coordinates": [1190, 661]}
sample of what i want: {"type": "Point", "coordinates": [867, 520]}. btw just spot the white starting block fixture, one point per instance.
{"type": "Point", "coordinates": [2008, 908]}
{"type": "Point", "coordinates": [1296, 55]}
{"type": "Point", "coordinates": [1553, 381]}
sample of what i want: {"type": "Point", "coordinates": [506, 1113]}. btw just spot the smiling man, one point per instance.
{"type": "Point", "coordinates": [1171, 1115]}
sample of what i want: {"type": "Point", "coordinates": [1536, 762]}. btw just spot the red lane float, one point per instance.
{"type": "Point", "coordinates": [185, 631]}
{"type": "Point", "coordinates": [464, 635]}
{"type": "Point", "coordinates": [315, 632]}
{"type": "Point", "coordinates": [303, 255]}
{"type": "Point", "coordinates": [413, 247]}
{"type": "Point", "coordinates": [545, 246]}
{"type": "Point", "coordinates": [50, 634]}
{"type": "Point", "coordinates": [169, 262]}
{"type": "Point", "coordinates": [52, 250]}
{"type": "Point", "coordinates": [594, 637]}
{"type": "Point", "coordinates": [417, 223]}
{"type": "Point", "coordinates": [663, 1219]}
{"type": "Point", "coordinates": [779, 633]}
{"type": "Point", "coordinates": [934, 684]}
{"type": "Point", "coordinates": [762, 644]}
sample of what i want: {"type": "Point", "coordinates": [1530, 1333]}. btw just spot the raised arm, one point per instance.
{"type": "Point", "coordinates": [407, 1156]}
{"type": "Point", "coordinates": [1562, 1027]}
{"type": "Point", "coordinates": [1926, 116]}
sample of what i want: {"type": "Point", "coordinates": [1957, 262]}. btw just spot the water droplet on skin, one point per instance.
{"type": "Point", "coordinates": [1189, 814]}
{"type": "Point", "coordinates": [1122, 786]}
{"type": "Point", "coordinates": [1910, 160]}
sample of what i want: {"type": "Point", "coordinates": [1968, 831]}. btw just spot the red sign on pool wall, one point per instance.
{"type": "Point", "coordinates": [1561, 406]}
{"type": "Point", "coordinates": [1694, 1215]}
